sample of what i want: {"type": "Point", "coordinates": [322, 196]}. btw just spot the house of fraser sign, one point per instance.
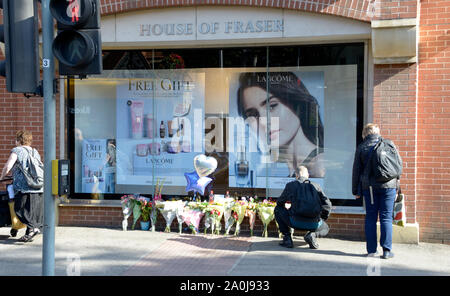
{"type": "Point", "coordinates": [205, 28]}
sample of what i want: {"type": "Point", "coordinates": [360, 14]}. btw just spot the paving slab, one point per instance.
{"type": "Point", "coordinates": [89, 251]}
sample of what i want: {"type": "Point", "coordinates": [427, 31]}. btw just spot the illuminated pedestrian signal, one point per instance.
{"type": "Point", "coordinates": [78, 45]}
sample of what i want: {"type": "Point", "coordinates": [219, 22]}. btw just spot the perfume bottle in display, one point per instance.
{"type": "Point", "coordinates": [241, 167]}
{"type": "Point", "coordinates": [162, 130]}
{"type": "Point", "coordinates": [169, 128]}
{"type": "Point", "coordinates": [137, 120]}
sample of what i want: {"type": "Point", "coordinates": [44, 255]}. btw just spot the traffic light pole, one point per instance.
{"type": "Point", "coordinates": [48, 250]}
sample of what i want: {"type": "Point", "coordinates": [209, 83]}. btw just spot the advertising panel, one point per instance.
{"type": "Point", "coordinates": [98, 166]}
{"type": "Point", "coordinates": [277, 127]}
{"type": "Point", "coordinates": [159, 127]}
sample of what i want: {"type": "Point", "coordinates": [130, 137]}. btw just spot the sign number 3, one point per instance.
{"type": "Point", "coordinates": [45, 63]}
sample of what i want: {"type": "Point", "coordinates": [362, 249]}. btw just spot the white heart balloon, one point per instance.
{"type": "Point", "coordinates": [204, 165]}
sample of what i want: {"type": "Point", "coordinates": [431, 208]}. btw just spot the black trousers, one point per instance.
{"type": "Point", "coordinates": [29, 208]}
{"type": "Point", "coordinates": [284, 223]}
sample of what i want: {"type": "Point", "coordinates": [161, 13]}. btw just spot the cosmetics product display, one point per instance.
{"type": "Point", "coordinates": [162, 130]}
{"type": "Point", "coordinates": [155, 148]}
{"type": "Point", "coordinates": [141, 150]}
{"type": "Point", "coordinates": [169, 128]}
{"type": "Point", "coordinates": [137, 119]}
{"type": "Point", "coordinates": [182, 109]}
{"type": "Point", "coordinates": [173, 147]}
{"type": "Point", "coordinates": [150, 131]}
{"type": "Point", "coordinates": [241, 167]}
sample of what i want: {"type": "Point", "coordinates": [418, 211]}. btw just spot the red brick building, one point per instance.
{"type": "Point", "coordinates": [405, 89]}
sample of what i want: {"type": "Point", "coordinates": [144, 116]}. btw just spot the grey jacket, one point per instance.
{"type": "Point", "coordinates": [361, 173]}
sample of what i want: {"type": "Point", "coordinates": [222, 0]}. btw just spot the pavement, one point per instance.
{"type": "Point", "coordinates": [89, 251]}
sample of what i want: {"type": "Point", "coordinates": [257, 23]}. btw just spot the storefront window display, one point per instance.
{"type": "Point", "coordinates": [259, 111]}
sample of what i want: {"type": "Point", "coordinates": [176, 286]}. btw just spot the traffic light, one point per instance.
{"type": "Point", "coordinates": [78, 45]}
{"type": "Point", "coordinates": [20, 35]}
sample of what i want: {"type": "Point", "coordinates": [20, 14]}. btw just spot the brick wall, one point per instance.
{"type": "Point", "coordinates": [433, 157]}
{"type": "Point", "coordinates": [394, 110]}
{"type": "Point", "coordinates": [411, 104]}
{"type": "Point", "coordinates": [364, 10]}
{"type": "Point", "coordinates": [18, 112]}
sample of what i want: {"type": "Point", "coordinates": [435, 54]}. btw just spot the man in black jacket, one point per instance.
{"type": "Point", "coordinates": [316, 226]}
{"type": "Point", "coordinates": [378, 196]}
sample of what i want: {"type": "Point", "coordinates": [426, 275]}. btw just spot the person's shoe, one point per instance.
{"type": "Point", "coordinates": [283, 242]}
{"type": "Point", "coordinates": [287, 241]}
{"type": "Point", "coordinates": [387, 254]}
{"type": "Point", "coordinates": [310, 238]}
{"type": "Point", "coordinates": [29, 237]}
{"type": "Point", "coordinates": [13, 232]}
{"type": "Point", "coordinates": [372, 254]}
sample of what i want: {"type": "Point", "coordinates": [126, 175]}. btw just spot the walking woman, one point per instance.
{"type": "Point", "coordinates": [379, 197]}
{"type": "Point", "coordinates": [28, 202]}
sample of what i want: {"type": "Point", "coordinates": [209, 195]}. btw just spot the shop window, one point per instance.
{"type": "Point", "coordinates": [259, 111]}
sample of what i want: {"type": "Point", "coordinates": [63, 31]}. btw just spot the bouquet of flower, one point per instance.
{"type": "Point", "coordinates": [266, 213]}
{"type": "Point", "coordinates": [192, 218]}
{"type": "Point", "coordinates": [169, 210]}
{"type": "Point", "coordinates": [251, 214]}
{"type": "Point", "coordinates": [227, 215]}
{"type": "Point", "coordinates": [127, 203]}
{"type": "Point", "coordinates": [178, 213]}
{"type": "Point", "coordinates": [213, 215]}
{"type": "Point", "coordinates": [239, 208]}
{"type": "Point", "coordinates": [193, 214]}
{"type": "Point", "coordinates": [146, 208]}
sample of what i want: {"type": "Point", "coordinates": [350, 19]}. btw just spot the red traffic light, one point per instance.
{"type": "Point", "coordinates": [78, 45]}
{"type": "Point", "coordinates": [74, 10]}
{"type": "Point", "coordinates": [73, 13]}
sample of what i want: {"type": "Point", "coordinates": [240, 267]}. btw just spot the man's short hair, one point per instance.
{"type": "Point", "coordinates": [370, 129]}
{"type": "Point", "coordinates": [302, 172]}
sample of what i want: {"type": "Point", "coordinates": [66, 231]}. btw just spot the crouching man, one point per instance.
{"type": "Point", "coordinates": [302, 205]}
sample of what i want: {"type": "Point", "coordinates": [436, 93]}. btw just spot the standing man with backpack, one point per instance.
{"type": "Point", "coordinates": [27, 171]}
{"type": "Point", "coordinates": [302, 205]}
{"type": "Point", "coordinates": [376, 172]}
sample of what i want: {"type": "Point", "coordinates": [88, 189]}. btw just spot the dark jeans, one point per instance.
{"type": "Point", "coordinates": [382, 206]}
{"type": "Point", "coordinates": [284, 223]}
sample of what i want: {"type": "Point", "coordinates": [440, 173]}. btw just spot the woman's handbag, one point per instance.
{"type": "Point", "coordinates": [399, 212]}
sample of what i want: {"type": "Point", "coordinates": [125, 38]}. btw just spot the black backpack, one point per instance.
{"type": "Point", "coordinates": [307, 202]}
{"type": "Point", "coordinates": [386, 161]}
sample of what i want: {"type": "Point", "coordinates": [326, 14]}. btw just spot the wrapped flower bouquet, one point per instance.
{"type": "Point", "coordinates": [239, 208]}
{"type": "Point", "coordinates": [192, 215]}
{"type": "Point", "coordinates": [169, 210]}
{"type": "Point", "coordinates": [250, 212]}
{"type": "Point", "coordinates": [227, 215]}
{"type": "Point", "coordinates": [213, 216]}
{"type": "Point", "coordinates": [266, 214]}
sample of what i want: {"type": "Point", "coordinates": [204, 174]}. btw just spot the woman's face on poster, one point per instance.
{"type": "Point", "coordinates": [254, 103]}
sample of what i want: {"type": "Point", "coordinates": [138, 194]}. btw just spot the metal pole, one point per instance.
{"type": "Point", "coordinates": [48, 250]}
